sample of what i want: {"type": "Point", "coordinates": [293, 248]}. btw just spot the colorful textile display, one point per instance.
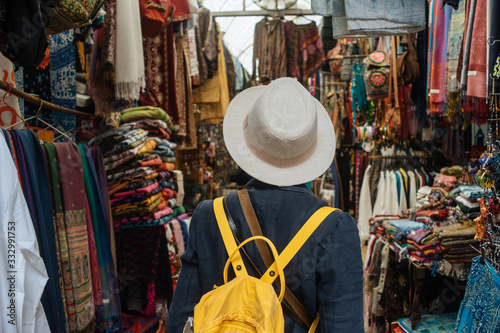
{"type": "Point", "coordinates": [479, 310]}
{"type": "Point", "coordinates": [304, 50]}
{"type": "Point", "coordinates": [437, 78]}
{"type": "Point", "coordinates": [129, 57]}
{"type": "Point", "coordinates": [269, 50]}
{"type": "Point", "coordinates": [79, 302]}
{"type": "Point", "coordinates": [476, 75]}
{"type": "Point", "coordinates": [440, 323]}
{"type": "Point", "coordinates": [63, 81]}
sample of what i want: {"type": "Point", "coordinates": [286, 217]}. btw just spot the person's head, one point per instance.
{"type": "Point", "coordinates": [279, 133]}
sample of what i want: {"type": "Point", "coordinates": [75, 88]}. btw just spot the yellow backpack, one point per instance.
{"type": "Point", "coordinates": [248, 304]}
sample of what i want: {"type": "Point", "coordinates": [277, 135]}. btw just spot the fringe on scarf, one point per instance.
{"type": "Point", "coordinates": [453, 106]}
{"type": "Point", "coordinates": [478, 108]}
{"type": "Point", "coordinates": [130, 90]}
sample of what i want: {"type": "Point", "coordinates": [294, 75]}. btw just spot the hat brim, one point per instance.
{"type": "Point", "coordinates": [317, 161]}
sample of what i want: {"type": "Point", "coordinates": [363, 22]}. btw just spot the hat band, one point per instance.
{"type": "Point", "coordinates": [273, 160]}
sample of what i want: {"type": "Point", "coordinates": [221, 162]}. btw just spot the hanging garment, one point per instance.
{"type": "Point", "coordinates": [23, 275]}
{"type": "Point", "coordinates": [455, 41]}
{"type": "Point", "coordinates": [63, 81]}
{"type": "Point", "coordinates": [412, 189]}
{"type": "Point", "coordinates": [81, 307]}
{"type": "Point", "coordinates": [437, 78]}
{"type": "Point", "coordinates": [129, 66]}
{"type": "Point", "coordinates": [379, 208]}
{"type": "Point", "coordinates": [206, 43]}
{"type": "Point", "coordinates": [476, 73]}
{"type": "Point", "coordinates": [159, 57]}
{"type": "Point", "coordinates": [112, 320]}
{"type": "Point", "coordinates": [37, 82]}
{"type": "Point", "coordinates": [479, 311]}
{"type": "Point", "coordinates": [269, 51]}
{"type": "Point", "coordinates": [365, 207]}
{"type": "Point", "coordinates": [31, 167]}
{"type": "Point", "coordinates": [304, 50]}
{"type": "Point", "coordinates": [355, 18]}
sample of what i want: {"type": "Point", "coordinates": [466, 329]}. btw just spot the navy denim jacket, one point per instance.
{"type": "Point", "coordinates": [326, 275]}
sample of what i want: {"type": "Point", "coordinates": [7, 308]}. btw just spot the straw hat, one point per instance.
{"type": "Point", "coordinates": [279, 133]}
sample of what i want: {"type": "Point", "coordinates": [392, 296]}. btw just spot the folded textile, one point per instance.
{"type": "Point", "coordinates": [146, 190]}
{"type": "Point", "coordinates": [161, 213]}
{"type": "Point", "coordinates": [150, 112]}
{"type": "Point", "coordinates": [424, 247]}
{"type": "Point", "coordinates": [456, 230]}
{"type": "Point", "coordinates": [164, 142]}
{"type": "Point", "coordinates": [143, 171]}
{"type": "Point", "coordinates": [163, 150]}
{"type": "Point", "coordinates": [467, 202]}
{"type": "Point", "coordinates": [131, 152]}
{"type": "Point", "coordinates": [403, 227]}
{"type": "Point", "coordinates": [449, 242]}
{"type": "Point", "coordinates": [474, 191]}
{"type": "Point", "coordinates": [418, 234]}
{"type": "Point", "coordinates": [149, 223]}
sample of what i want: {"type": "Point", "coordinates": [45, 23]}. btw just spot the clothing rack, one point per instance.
{"type": "Point", "coordinates": [37, 101]}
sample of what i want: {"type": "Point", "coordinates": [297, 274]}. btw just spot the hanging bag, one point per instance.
{"type": "Point", "coordinates": [393, 114]}
{"type": "Point", "coordinates": [246, 303]}
{"type": "Point", "coordinates": [408, 69]}
{"type": "Point", "coordinates": [69, 14]}
{"type": "Point", "coordinates": [377, 74]}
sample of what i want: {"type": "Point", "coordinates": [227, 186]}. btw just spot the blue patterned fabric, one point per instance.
{"type": "Point", "coordinates": [63, 81]}
{"type": "Point", "coordinates": [480, 308]}
{"type": "Point", "coordinates": [440, 323]}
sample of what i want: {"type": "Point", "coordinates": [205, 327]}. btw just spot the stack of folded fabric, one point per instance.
{"type": "Point", "coordinates": [398, 231]}
{"type": "Point", "coordinates": [147, 217]}
{"type": "Point", "coordinates": [435, 209]}
{"type": "Point", "coordinates": [465, 198]}
{"type": "Point", "coordinates": [456, 241]}
{"type": "Point", "coordinates": [423, 245]}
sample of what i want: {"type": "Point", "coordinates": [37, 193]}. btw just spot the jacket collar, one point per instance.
{"type": "Point", "coordinates": [255, 183]}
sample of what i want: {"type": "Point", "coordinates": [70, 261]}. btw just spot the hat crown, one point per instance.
{"type": "Point", "coordinates": [283, 120]}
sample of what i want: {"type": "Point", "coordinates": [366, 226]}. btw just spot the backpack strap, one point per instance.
{"type": "Point", "coordinates": [296, 243]}
{"type": "Point", "coordinates": [227, 237]}
{"type": "Point", "coordinates": [254, 226]}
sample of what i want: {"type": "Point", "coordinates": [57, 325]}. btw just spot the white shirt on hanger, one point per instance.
{"type": "Point", "coordinates": [22, 271]}
{"type": "Point", "coordinates": [365, 207]}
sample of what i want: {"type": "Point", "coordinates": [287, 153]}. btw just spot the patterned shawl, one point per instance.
{"type": "Point", "coordinates": [476, 74]}
{"type": "Point", "coordinates": [112, 319]}
{"type": "Point", "coordinates": [77, 271]}
{"type": "Point", "coordinates": [31, 166]}
{"type": "Point", "coordinates": [437, 83]}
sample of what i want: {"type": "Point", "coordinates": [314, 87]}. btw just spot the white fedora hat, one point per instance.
{"type": "Point", "coordinates": [279, 133]}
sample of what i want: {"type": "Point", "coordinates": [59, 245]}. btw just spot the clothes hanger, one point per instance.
{"type": "Point", "coordinates": [47, 124]}
{"type": "Point", "coordinates": [25, 121]}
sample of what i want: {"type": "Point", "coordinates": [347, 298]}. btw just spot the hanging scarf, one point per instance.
{"type": "Point", "coordinates": [31, 166]}
{"type": "Point", "coordinates": [63, 80]}
{"type": "Point", "coordinates": [112, 314]}
{"type": "Point", "coordinates": [466, 49]}
{"type": "Point", "coordinates": [437, 83]}
{"type": "Point", "coordinates": [81, 311]}
{"type": "Point", "coordinates": [159, 57]}
{"type": "Point", "coordinates": [419, 89]}
{"type": "Point", "coordinates": [62, 242]}
{"type": "Point", "coordinates": [129, 66]}
{"type": "Point", "coordinates": [476, 74]}
{"type": "Point", "coordinates": [455, 42]}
